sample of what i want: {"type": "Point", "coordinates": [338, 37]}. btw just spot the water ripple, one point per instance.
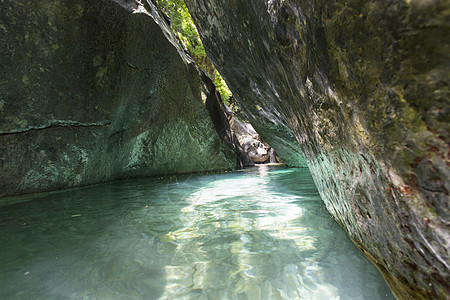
{"type": "Point", "coordinates": [260, 233]}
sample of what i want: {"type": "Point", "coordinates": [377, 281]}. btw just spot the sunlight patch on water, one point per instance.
{"type": "Point", "coordinates": [261, 233]}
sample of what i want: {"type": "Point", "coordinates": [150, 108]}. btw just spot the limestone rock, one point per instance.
{"type": "Point", "coordinates": [92, 92]}
{"type": "Point", "coordinates": [252, 144]}
{"type": "Point", "coordinates": [361, 88]}
{"type": "Point", "coordinates": [255, 149]}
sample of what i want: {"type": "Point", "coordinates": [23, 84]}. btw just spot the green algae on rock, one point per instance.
{"type": "Point", "coordinates": [90, 92]}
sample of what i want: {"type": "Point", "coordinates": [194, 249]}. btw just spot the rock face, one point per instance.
{"type": "Point", "coordinates": [221, 117]}
{"type": "Point", "coordinates": [362, 89]}
{"type": "Point", "coordinates": [90, 92]}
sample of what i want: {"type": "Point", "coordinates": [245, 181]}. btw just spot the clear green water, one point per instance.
{"type": "Point", "coordinates": [261, 233]}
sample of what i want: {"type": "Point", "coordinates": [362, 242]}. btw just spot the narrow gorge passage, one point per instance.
{"type": "Point", "coordinates": [93, 92]}
{"type": "Point", "coordinates": [258, 233]}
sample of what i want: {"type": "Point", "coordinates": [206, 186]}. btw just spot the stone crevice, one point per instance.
{"type": "Point", "coordinates": [55, 124]}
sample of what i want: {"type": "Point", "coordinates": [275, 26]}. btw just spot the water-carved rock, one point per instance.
{"type": "Point", "coordinates": [92, 92]}
{"type": "Point", "coordinates": [362, 89]}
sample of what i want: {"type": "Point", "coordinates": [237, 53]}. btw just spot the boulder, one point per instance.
{"type": "Point", "coordinates": [255, 148]}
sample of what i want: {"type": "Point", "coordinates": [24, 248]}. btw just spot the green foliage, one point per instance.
{"type": "Point", "coordinates": [222, 88]}
{"type": "Point", "coordinates": [184, 28]}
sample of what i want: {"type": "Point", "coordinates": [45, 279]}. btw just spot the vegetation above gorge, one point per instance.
{"type": "Point", "coordinates": [183, 26]}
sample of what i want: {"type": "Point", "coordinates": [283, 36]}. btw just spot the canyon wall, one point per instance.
{"type": "Point", "coordinates": [361, 88]}
{"type": "Point", "coordinates": [92, 92]}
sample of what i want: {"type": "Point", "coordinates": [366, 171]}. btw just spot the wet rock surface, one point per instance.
{"type": "Point", "coordinates": [361, 89]}
{"type": "Point", "coordinates": [90, 92]}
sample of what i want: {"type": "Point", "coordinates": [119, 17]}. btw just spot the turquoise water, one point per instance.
{"type": "Point", "coordinates": [260, 233]}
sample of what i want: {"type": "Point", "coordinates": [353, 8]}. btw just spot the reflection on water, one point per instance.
{"type": "Point", "coordinates": [260, 233]}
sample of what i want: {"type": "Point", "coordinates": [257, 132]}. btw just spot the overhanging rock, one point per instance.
{"type": "Point", "coordinates": [362, 89]}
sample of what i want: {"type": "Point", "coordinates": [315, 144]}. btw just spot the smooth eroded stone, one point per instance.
{"type": "Point", "coordinates": [361, 88]}
{"type": "Point", "coordinates": [91, 92]}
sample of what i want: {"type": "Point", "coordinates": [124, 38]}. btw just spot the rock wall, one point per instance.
{"type": "Point", "coordinates": [90, 92]}
{"type": "Point", "coordinates": [362, 89]}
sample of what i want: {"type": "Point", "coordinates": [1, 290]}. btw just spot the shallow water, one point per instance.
{"type": "Point", "coordinates": [260, 233]}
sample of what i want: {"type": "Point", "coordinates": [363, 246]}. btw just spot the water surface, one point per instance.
{"type": "Point", "coordinates": [260, 233]}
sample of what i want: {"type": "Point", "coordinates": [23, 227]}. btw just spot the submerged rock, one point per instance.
{"type": "Point", "coordinates": [362, 90]}
{"type": "Point", "coordinates": [91, 92]}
